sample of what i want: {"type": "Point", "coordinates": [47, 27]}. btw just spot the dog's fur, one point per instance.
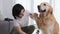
{"type": "Point", "coordinates": [46, 20]}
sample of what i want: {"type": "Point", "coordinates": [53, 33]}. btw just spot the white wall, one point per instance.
{"type": "Point", "coordinates": [26, 3]}
{"type": "Point", "coordinates": [57, 10]}
{"type": "Point", "coordinates": [1, 16]}
{"type": "Point", "coordinates": [6, 8]}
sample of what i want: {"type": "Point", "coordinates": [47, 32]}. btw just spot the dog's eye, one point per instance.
{"type": "Point", "coordinates": [44, 4]}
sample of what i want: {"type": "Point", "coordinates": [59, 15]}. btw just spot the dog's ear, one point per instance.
{"type": "Point", "coordinates": [51, 10]}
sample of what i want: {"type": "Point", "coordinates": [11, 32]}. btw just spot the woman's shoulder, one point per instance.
{"type": "Point", "coordinates": [16, 23]}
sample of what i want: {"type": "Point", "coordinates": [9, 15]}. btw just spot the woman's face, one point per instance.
{"type": "Point", "coordinates": [21, 13]}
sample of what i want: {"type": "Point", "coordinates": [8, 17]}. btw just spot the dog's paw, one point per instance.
{"type": "Point", "coordinates": [34, 15]}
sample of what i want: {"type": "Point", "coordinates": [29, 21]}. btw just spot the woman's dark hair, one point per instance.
{"type": "Point", "coordinates": [16, 10]}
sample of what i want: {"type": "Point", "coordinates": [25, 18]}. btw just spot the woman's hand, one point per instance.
{"type": "Point", "coordinates": [23, 33]}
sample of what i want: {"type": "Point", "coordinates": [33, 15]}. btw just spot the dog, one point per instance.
{"type": "Point", "coordinates": [46, 20]}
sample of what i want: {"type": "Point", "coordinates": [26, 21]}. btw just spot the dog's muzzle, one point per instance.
{"type": "Point", "coordinates": [43, 10]}
{"type": "Point", "coordinates": [40, 10]}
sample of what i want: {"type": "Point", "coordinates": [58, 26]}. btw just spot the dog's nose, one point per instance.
{"type": "Point", "coordinates": [44, 4]}
{"type": "Point", "coordinates": [38, 8]}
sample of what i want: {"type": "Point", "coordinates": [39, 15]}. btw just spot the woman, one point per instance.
{"type": "Point", "coordinates": [19, 27]}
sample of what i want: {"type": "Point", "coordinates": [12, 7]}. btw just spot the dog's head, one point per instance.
{"type": "Point", "coordinates": [45, 8]}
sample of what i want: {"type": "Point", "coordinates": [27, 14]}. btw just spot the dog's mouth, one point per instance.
{"type": "Point", "coordinates": [40, 10]}
{"type": "Point", "coordinates": [43, 10]}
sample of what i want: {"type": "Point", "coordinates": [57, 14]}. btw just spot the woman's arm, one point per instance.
{"type": "Point", "coordinates": [18, 28]}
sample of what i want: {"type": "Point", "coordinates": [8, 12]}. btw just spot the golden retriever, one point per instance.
{"type": "Point", "coordinates": [46, 21]}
